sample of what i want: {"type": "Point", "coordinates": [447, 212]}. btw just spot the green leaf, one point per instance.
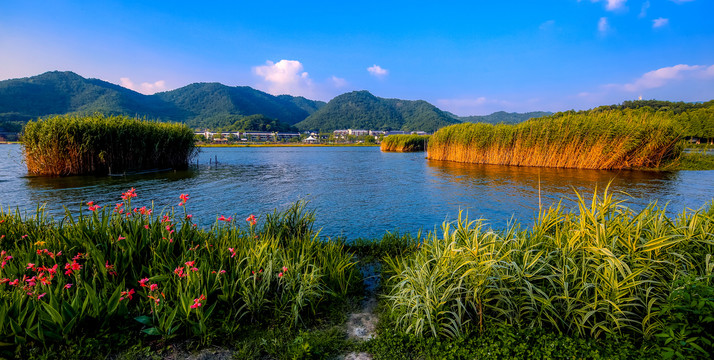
{"type": "Point", "coordinates": [151, 331]}
{"type": "Point", "coordinates": [144, 320]}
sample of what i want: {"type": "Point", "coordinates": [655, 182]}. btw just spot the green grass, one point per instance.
{"type": "Point", "coordinates": [99, 144]}
{"type": "Point", "coordinates": [695, 161]}
{"type": "Point", "coordinates": [602, 271]}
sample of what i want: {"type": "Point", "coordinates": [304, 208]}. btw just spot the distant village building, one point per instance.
{"type": "Point", "coordinates": [310, 140]}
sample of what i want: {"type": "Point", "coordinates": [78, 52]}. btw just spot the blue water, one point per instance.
{"type": "Point", "coordinates": [355, 191]}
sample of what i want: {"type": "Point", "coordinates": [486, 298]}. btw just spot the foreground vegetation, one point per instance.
{"type": "Point", "coordinates": [404, 143]}
{"type": "Point", "coordinates": [602, 281]}
{"type": "Point", "coordinates": [609, 139]}
{"type": "Point", "coordinates": [98, 144]}
{"type": "Point", "coordinates": [121, 269]}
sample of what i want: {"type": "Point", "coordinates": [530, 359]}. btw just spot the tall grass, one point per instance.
{"type": "Point", "coordinates": [96, 144]}
{"type": "Point", "coordinates": [113, 267]}
{"type": "Point", "coordinates": [603, 269]}
{"type": "Point", "coordinates": [404, 143]}
{"type": "Point", "coordinates": [596, 139]}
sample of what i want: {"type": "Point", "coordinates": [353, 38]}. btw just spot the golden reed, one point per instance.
{"type": "Point", "coordinates": [594, 139]}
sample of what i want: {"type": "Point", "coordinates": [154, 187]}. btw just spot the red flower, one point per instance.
{"type": "Point", "coordinates": [153, 287]}
{"type": "Point", "coordinates": [197, 302]}
{"type": "Point", "coordinates": [146, 227]}
{"type": "Point", "coordinates": [280, 275]}
{"type": "Point", "coordinates": [285, 269]}
{"type": "Point", "coordinates": [143, 281]}
{"type": "Point", "coordinates": [73, 266]}
{"type": "Point", "coordinates": [251, 219]}
{"type": "Point", "coordinates": [179, 271]}
{"type": "Point", "coordinates": [68, 286]}
{"type": "Point", "coordinates": [226, 219]}
{"type": "Point", "coordinates": [233, 252]}
{"type": "Point", "coordinates": [127, 295]}
{"type": "Point", "coordinates": [184, 198]}
{"type": "Point", "coordinates": [129, 194]}
{"type": "Point", "coordinates": [41, 295]}
{"type": "Point", "coordinates": [30, 266]}
{"type": "Point", "coordinates": [120, 238]}
{"type": "Point", "coordinates": [190, 263]}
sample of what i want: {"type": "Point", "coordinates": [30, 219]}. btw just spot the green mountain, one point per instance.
{"type": "Point", "coordinates": [502, 117]}
{"type": "Point", "coordinates": [257, 123]}
{"type": "Point", "coordinates": [213, 105]}
{"type": "Point", "coordinates": [58, 92]}
{"type": "Point", "coordinates": [198, 105]}
{"type": "Point", "coordinates": [362, 110]}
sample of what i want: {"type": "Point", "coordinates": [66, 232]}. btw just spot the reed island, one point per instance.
{"type": "Point", "coordinates": [594, 139]}
{"type": "Point", "coordinates": [99, 144]}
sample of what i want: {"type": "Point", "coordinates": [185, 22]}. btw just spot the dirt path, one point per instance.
{"type": "Point", "coordinates": [361, 325]}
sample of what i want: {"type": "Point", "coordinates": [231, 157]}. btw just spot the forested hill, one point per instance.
{"type": "Point", "coordinates": [362, 110]}
{"type": "Point", "coordinates": [502, 117]}
{"type": "Point", "coordinates": [198, 105]}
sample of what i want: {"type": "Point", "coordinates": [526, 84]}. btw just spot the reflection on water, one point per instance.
{"type": "Point", "coordinates": [356, 191]}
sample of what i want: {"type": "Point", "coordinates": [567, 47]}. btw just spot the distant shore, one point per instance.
{"type": "Point", "coordinates": [282, 145]}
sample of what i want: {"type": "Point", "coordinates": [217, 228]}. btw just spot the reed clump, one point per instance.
{"type": "Point", "coordinates": [98, 144]}
{"type": "Point", "coordinates": [594, 139]}
{"type": "Point", "coordinates": [405, 143]}
{"type": "Point", "coordinates": [602, 270]}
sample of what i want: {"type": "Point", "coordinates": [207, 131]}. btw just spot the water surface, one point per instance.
{"type": "Point", "coordinates": [356, 191]}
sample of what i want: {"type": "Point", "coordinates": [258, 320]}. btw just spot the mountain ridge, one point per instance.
{"type": "Point", "coordinates": [215, 105]}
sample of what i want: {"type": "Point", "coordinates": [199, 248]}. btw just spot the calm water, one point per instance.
{"type": "Point", "coordinates": [356, 191]}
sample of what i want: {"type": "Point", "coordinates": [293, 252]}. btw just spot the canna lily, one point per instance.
{"type": "Point", "coordinates": [131, 193]}
{"type": "Point", "coordinates": [127, 295]}
{"type": "Point", "coordinates": [179, 271]}
{"type": "Point", "coordinates": [251, 219]}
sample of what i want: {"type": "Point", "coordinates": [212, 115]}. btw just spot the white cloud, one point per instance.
{"type": "Point", "coordinates": [676, 83]}
{"type": "Point", "coordinates": [338, 82]}
{"type": "Point", "coordinates": [145, 87]}
{"type": "Point", "coordinates": [378, 71]}
{"type": "Point", "coordinates": [285, 77]}
{"type": "Point", "coordinates": [659, 22]}
{"type": "Point", "coordinates": [664, 76]}
{"type": "Point", "coordinates": [613, 4]}
{"type": "Point", "coordinates": [645, 7]}
{"type": "Point", "coordinates": [603, 26]}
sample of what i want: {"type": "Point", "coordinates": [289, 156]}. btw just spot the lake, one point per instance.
{"type": "Point", "coordinates": [355, 191]}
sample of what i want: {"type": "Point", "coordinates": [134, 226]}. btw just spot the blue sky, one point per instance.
{"type": "Point", "coordinates": [468, 57]}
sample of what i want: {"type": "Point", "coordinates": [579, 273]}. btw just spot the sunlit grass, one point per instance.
{"type": "Point", "coordinates": [596, 139]}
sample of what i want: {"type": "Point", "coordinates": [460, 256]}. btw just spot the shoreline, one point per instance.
{"type": "Point", "coordinates": [286, 145]}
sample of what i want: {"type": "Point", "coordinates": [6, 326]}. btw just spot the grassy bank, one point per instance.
{"type": "Point", "coordinates": [600, 281]}
{"type": "Point", "coordinates": [98, 144]}
{"type": "Point", "coordinates": [602, 139]}
{"type": "Point", "coordinates": [404, 143]}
